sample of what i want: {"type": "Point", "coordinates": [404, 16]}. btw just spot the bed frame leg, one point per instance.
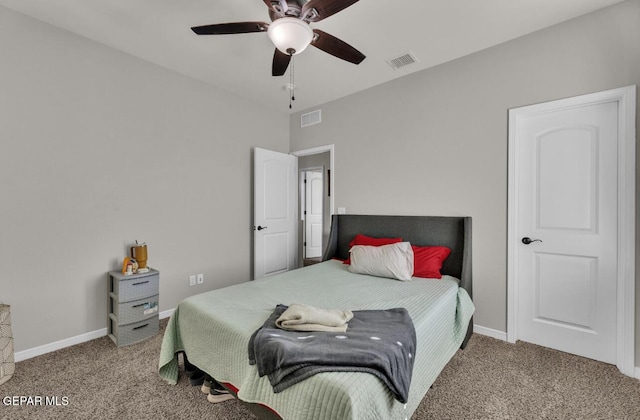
{"type": "Point", "coordinates": [468, 335]}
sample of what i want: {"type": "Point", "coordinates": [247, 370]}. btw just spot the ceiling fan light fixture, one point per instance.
{"type": "Point", "coordinates": [289, 33]}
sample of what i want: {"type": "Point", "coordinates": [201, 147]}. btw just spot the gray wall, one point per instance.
{"type": "Point", "coordinates": [435, 142]}
{"type": "Point", "coordinates": [98, 149]}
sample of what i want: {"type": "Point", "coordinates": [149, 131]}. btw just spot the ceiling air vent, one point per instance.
{"type": "Point", "coordinates": [402, 61]}
{"type": "Point", "coordinates": [311, 118]}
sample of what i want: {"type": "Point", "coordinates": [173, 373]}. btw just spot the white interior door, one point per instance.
{"type": "Point", "coordinates": [275, 212]}
{"type": "Point", "coordinates": [566, 231]}
{"type": "Point", "coordinates": [314, 193]}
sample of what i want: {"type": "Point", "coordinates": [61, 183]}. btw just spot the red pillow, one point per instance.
{"type": "Point", "coordinates": [370, 241]}
{"type": "Point", "coordinates": [427, 260]}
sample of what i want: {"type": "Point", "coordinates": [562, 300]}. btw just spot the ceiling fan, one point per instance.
{"type": "Point", "coordinates": [290, 31]}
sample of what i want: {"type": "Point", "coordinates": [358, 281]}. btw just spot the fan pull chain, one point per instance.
{"type": "Point", "coordinates": [292, 81]}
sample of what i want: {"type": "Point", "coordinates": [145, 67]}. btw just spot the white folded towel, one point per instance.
{"type": "Point", "coordinates": [299, 317]}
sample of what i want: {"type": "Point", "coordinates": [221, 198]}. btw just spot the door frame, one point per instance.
{"type": "Point", "coordinates": [626, 99]}
{"type": "Point", "coordinates": [322, 149]}
{"type": "Point", "coordinates": [332, 178]}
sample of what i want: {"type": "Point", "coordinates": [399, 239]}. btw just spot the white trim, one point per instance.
{"type": "Point", "coordinates": [512, 210]}
{"type": "Point", "coordinates": [57, 345]}
{"type": "Point", "coordinates": [490, 332]}
{"type": "Point", "coordinates": [314, 150]}
{"type": "Point", "coordinates": [626, 98]}
{"type": "Point", "coordinates": [167, 313]}
{"type": "Point", "coordinates": [332, 167]}
{"type": "Point", "coordinates": [626, 230]}
{"type": "Point", "coordinates": [637, 372]}
{"type": "Point", "coordinates": [72, 341]}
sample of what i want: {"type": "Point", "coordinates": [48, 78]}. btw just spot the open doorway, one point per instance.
{"type": "Point", "coordinates": [311, 212]}
{"type": "Point", "coordinates": [316, 199]}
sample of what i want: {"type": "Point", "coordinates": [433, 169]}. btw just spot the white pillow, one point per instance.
{"type": "Point", "coordinates": [393, 261]}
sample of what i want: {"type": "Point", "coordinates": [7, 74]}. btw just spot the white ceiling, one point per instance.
{"type": "Point", "coordinates": [436, 31]}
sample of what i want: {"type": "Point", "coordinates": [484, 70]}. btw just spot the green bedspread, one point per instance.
{"type": "Point", "coordinates": [214, 328]}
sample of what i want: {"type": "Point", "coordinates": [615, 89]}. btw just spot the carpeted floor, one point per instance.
{"type": "Point", "coordinates": [491, 379]}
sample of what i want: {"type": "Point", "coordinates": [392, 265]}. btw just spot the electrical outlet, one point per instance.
{"type": "Point", "coordinates": [192, 280]}
{"type": "Point", "coordinates": [200, 278]}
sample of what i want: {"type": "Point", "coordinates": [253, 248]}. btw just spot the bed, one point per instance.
{"type": "Point", "coordinates": [213, 328]}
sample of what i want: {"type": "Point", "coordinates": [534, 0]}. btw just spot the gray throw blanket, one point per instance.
{"type": "Point", "coordinates": [380, 342]}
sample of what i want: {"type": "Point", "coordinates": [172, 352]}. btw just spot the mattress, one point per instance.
{"type": "Point", "coordinates": [214, 328]}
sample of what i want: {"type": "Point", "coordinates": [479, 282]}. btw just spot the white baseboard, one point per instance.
{"type": "Point", "coordinates": [57, 345]}
{"type": "Point", "coordinates": [489, 332]}
{"type": "Point", "coordinates": [167, 313]}
{"type": "Point", "coordinates": [72, 341]}
{"type": "Point", "coordinates": [499, 335]}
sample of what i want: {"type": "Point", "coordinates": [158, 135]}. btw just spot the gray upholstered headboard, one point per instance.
{"type": "Point", "coordinates": [452, 232]}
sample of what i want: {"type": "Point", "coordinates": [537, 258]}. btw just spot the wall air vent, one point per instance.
{"type": "Point", "coordinates": [402, 61]}
{"type": "Point", "coordinates": [311, 118]}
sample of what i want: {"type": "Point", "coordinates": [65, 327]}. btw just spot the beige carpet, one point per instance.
{"type": "Point", "coordinates": [489, 380]}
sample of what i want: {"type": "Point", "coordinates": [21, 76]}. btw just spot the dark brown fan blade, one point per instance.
{"type": "Point", "coordinates": [282, 5]}
{"type": "Point", "coordinates": [323, 9]}
{"type": "Point", "coordinates": [336, 47]}
{"type": "Point", "coordinates": [268, 3]}
{"type": "Point", "coordinates": [231, 28]}
{"type": "Point", "coordinates": [280, 63]}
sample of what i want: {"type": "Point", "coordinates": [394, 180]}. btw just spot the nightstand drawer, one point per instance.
{"type": "Point", "coordinates": [124, 335]}
{"type": "Point", "coordinates": [136, 288]}
{"type": "Point", "coordinates": [134, 311]}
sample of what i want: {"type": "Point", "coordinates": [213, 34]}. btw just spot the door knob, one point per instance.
{"type": "Point", "coordinates": [261, 227]}
{"type": "Point", "coordinates": [527, 240]}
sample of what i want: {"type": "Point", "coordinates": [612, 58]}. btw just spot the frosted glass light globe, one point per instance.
{"type": "Point", "coordinates": [289, 33]}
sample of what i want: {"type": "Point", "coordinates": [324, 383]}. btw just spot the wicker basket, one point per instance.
{"type": "Point", "coordinates": [7, 366]}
